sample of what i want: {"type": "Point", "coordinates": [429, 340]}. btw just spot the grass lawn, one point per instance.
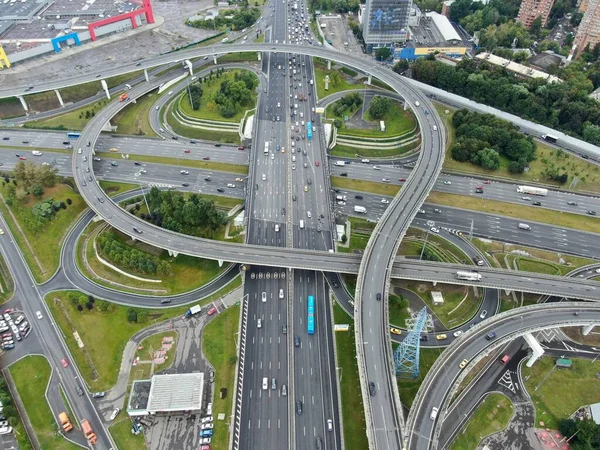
{"type": "Point", "coordinates": [397, 122]}
{"type": "Point", "coordinates": [398, 314]}
{"type": "Point", "coordinates": [74, 120]}
{"type": "Point", "coordinates": [408, 387]}
{"type": "Point", "coordinates": [532, 265]}
{"type": "Point", "coordinates": [353, 416]}
{"type": "Point", "coordinates": [134, 118]}
{"type": "Point", "coordinates": [351, 152]}
{"type": "Point", "coordinates": [124, 438]}
{"type": "Point", "coordinates": [183, 162]}
{"type": "Point", "coordinates": [200, 133]}
{"type": "Point", "coordinates": [31, 375]}
{"type": "Point", "coordinates": [113, 188]}
{"type": "Point", "coordinates": [153, 343]}
{"type": "Point", "coordinates": [492, 415]}
{"type": "Point", "coordinates": [550, 401]}
{"type": "Point", "coordinates": [365, 186]}
{"type": "Point", "coordinates": [105, 334]}
{"type": "Point", "coordinates": [188, 272]}
{"type": "Point", "coordinates": [208, 109]}
{"type": "Point", "coordinates": [524, 212]}
{"type": "Point", "coordinates": [6, 281]}
{"type": "Point", "coordinates": [219, 340]}
{"type": "Point", "coordinates": [238, 57]}
{"type": "Point", "coordinates": [320, 73]}
{"type": "Point", "coordinates": [46, 246]}
{"type": "Point", "coordinates": [260, 39]}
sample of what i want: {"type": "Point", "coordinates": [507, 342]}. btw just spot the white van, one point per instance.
{"type": "Point", "coordinates": [524, 226]}
{"type": "Point", "coordinates": [265, 385]}
{"type": "Point", "coordinates": [301, 224]}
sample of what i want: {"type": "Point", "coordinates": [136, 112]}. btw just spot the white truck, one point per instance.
{"type": "Point", "coordinates": [470, 276]}
{"type": "Point", "coordinates": [360, 209]}
{"type": "Point", "coordinates": [532, 190]}
{"type": "Point", "coordinates": [193, 311]}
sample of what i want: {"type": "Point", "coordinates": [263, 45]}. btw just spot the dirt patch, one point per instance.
{"type": "Point", "coordinates": [575, 334]}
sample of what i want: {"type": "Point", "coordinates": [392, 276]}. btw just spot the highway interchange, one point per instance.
{"type": "Point", "coordinates": [271, 187]}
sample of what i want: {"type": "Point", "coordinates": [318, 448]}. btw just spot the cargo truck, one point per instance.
{"type": "Point", "coordinates": [470, 276]}
{"type": "Point", "coordinates": [360, 209]}
{"type": "Point", "coordinates": [193, 311]}
{"type": "Point", "coordinates": [123, 97]}
{"type": "Point", "coordinates": [89, 433]}
{"type": "Point", "coordinates": [65, 422]}
{"type": "Point", "coordinates": [532, 190]}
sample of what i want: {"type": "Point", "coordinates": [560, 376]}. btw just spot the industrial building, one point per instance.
{"type": "Point", "coordinates": [385, 22]}
{"type": "Point", "coordinates": [167, 394]}
{"type": "Point", "coordinates": [532, 9]}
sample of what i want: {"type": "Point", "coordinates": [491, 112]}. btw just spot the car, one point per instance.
{"type": "Point", "coordinates": [8, 346]}
{"type": "Point", "coordinates": [217, 145]}
{"type": "Point", "coordinates": [239, 179]}
{"type": "Point", "coordinates": [308, 214]}
{"type": "Point", "coordinates": [114, 163]}
{"type": "Point", "coordinates": [317, 163]}
{"type": "Point", "coordinates": [395, 331]}
{"type": "Point", "coordinates": [386, 180]}
{"type": "Point", "coordinates": [536, 203]}
{"type": "Point", "coordinates": [206, 158]}
{"type": "Point", "coordinates": [441, 337]}
{"type": "Point", "coordinates": [437, 210]}
{"type": "Point", "coordinates": [184, 172]}
{"type": "Point", "coordinates": [447, 182]}
{"type": "Point", "coordinates": [135, 163]}
{"type": "Point", "coordinates": [100, 199]}
{"type": "Point", "coordinates": [230, 185]}
{"type": "Point", "coordinates": [490, 336]}
{"type": "Point", "coordinates": [284, 328]}
{"type": "Point", "coordinates": [98, 394]}
{"type": "Point", "coordinates": [296, 341]}
{"type": "Point", "coordinates": [112, 149]}
{"type": "Point", "coordinates": [22, 158]}
{"type": "Point", "coordinates": [385, 201]}
{"type": "Point", "coordinates": [206, 419]}
{"type": "Point", "coordinates": [483, 314]}
{"type": "Point", "coordinates": [205, 441]}
{"type": "Point", "coordinates": [185, 184]}
{"type": "Point", "coordinates": [463, 364]}
{"type": "Point", "coordinates": [402, 179]}
{"type": "Point", "coordinates": [207, 178]}
{"type": "Point", "coordinates": [572, 203]}
{"type": "Point", "coordinates": [114, 414]}
{"type": "Point", "coordinates": [358, 197]}
{"type": "Point", "coordinates": [371, 388]}
{"type": "Point", "coordinates": [264, 297]}
{"type": "Point", "coordinates": [212, 311]}
{"type": "Point", "coordinates": [434, 413]}
{"type": "Point", "coordinates": [305, 188]}
{"type": "Point", "coordinates": [421, 211]}
{"type": "Point", "coordinates": [487, 182]}
{"type": "Point", "coordinates": [591, 213]}
{"type": "Point", "coordinates": [434, 230]}
{"type": "Point", "coordinates": [207, 426]}
{"type": "Point", "coordinates": [96, 158]}
{"type": "Point", "coordinates": [299, 407]}
{"type": "Point", "coordinates": [376, 168]}
{"type": "Point", "coordinates": [79, 390]}
{"type": "Point", "coordinates": [527, 199]}
{"type": "Point", "coordinates": [273, 384]}
{"type": "Point", "coordinates": [220, 190]}
{"type": "Point", "coordinates": [457, 333]}
{"type": "Point", "coordinates": [378, 296]}
{"type": "Point", "coordinates": [264, 177]}
{"type": "Point", "coordinates": [187, 150]}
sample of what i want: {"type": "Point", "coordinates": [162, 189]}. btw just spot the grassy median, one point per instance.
{"type": "Point", "coordinates": [365, 186]}
{"type": "Point", "coordinates": [134, 118]}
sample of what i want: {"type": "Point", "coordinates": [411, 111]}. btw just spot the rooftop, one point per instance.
{"type": "Point", "coordinates": [444, 26]}
{"type": "Point", "coordinates": [517, 68]}
{"type": "Point", "coordinates": [176, 392]}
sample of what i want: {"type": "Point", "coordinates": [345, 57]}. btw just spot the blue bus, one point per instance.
{"type": "Point", "coordinates": [74, 135]}
{"type": "Point", "coordinates": [309, 130]}
{"type": "Point", "coordinates": [311, 315]}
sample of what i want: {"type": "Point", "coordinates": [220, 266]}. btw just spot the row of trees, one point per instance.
{"type": "Point", "coordinates": [583, 434]}
{"type": "Point", "coordinates": [8, 407]}
{"type": "Point", "coordinates": [565, 106]}
{"type": "Point", "coordinates": [81, 301]}
{"type": "Point", "coordinates": [193, 215]}
{"type": "Point", "coordinates": [29, 175]}
{"type": "Point", "coordinates": [237, 19]}
{"type": "Point", "coordinates": [129, 258]}
{"type": "Point", "coordinates": [348, 103]}
{"type": "Point", "coordinates": [482, 138]}
{"type": "Point", "coordinates": [339, 6]}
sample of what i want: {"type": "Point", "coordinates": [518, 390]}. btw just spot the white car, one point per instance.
{"type": "Point", "coordinates": [114, 414]}
{"type": "Point", "coordinates": [264, 177]}
{"type": "Point", "coordinates": [308, 214]}
{"type": "Point", "coordinates": [385, 201]}
{"type": "Point", "coordinates": [280, 293]}
{"type": "Point", "coordinates": [184, 172]}
{"type": "Point", "coordinates": [264, 297]}
{"type": "Point", "coordinates": [365, 160]}
{"type": "Point", "coordinates": [206, 419]}
{"type": "Point", "coordinates": [230, 185]}
{"type": "Point", "coordinates": [376, 168]}
{"type": "Point", "coordinates": [527, 199]}
{"type": "Point", "coordinates": [205, 440]}
{"type": "Point", "coordinates": [206, 426]}
{"type": "Point", "coordinates": [278, 105]}
{"type": "Point", "coordinates": [447, 182]}
{"type": "Point", "coordinates": [458, 333]}
{"type": "Point", "coordinates": [435, 230]}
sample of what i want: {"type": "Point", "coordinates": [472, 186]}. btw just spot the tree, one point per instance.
{"type": "Point", "coordinates": [487, 158]}
{"type": "Point", "coordinates": [383, 53]}
{"type": "Point", "coordinates": [401, 66]}
{"type": "Point", "coordinates": [37, 190]}
{"type": "Point", "coordinates": [195, 95]}
{"type": "Point", "coordinates": [380, 106]}
{"type": "Point", "coordinates": [79, 308]}
{"type": "Point", "coordinates": [344, 238]}
{"type": "Point", "coordinates": [132, 315]}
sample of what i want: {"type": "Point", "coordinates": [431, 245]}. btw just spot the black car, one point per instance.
{"type": "Point", "coordinates": [283, 211]}
{"type": "Point", "coordinates": [537, 203]}
{"type": "Point", "coordinates": [371, 388]}
{"type": "Point", "coordinates": [207, 179]}
{"type": "Point", "coordinates": [192, 142]}
{"type": "Point", "coordinates": [217, 145]}
{"type": "Point", "coordinates": [423, 338]}
{"type": "Point", "coordinates": [79, 390]}
{"type": "Point", "coordinates": [591, 213]}
{"type": "Point", "coordinates": [175, 138]}
{"type": "Point", "coordinates": [336, 190]}
{"type": "Point", "coordinates": [490, 336]}
{"type": "Point", "coordinates": [479, 191]}
{"type": "Point", "coordinates": [299, 407]}
{"type": "Point", "coordinates": [378, 296]}
{"type": "Point", "coordinates": [220, 190]}
{"type": "Point", "coordinates": [137, 163]}
{"type": "Point", "coordinates": [296, 341]}
{"type": "Point", "coordinates": [185, 184]}
{"type": "Point", "coordinates": [5, 138]}
{"type": "Point", "coordinates": [344, 174]}
{"type": "Point", "coordinates": [25, 142]}
{"type": "Point", "coordinates": [165, 301]}
{"type": "Point", "coordinates": [358, 197]}
{"type": "Point", "coordinates": [335, 284]}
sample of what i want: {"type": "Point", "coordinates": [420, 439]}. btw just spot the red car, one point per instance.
{"type": "Point", "coordinates": [64, 363]}
{"type": "Point", "coordinates": [241, 147]}
{"type": "Point", "coordinates": [212, 310]}
{"type": "Point", "coordinates": [487, 182]}
{"type": "Point", "coordinates": [317, 163]}
{"type": "Point", "coordinates": [7, 335]}
{"type": "Point", "coordinates": [9, 310]}
{"type": "Point", "coordinates": [187, 151]}
{"type": "Point", "coordinates": [22, 158]}
{"type": "Point", "coordinates": [401, 179]}
{"type": "Point", "coordinates": [206, 158]}
{"type": "Point", "coordinates": [479, 187]}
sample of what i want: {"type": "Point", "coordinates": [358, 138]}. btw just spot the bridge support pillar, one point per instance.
{"type": "Point", "coordinates": [60, 100]}
{"type": "Point", "coordinates": [172, 253]}
{"type": "Point", "coordinates": [146, 75]}
{"type": "Point", "coordinates": [215, 59]}
{"type": "Point", "coordinates": [369, 79]}
{"type": "Point", "coordinates": [586, 330]}
{"type": "Point", "coordinates": [188, 64]}
{"type": "Point", "coordinates": [259, 55]}
{"type": "Point", "coordinates": [23, 103]}
{"type": "Point", "coordinates": [328, 64]}
{"type": "Point", "coordinates": [435, 283]}
{"type": "Point", "coordinates": [535, 346]}
{"type": "Point", "coordinates": [105, 87]}
{"type": "Point", "coordinates": [220, 261]}
{"type": "Point", "coordinates": [507, 291]}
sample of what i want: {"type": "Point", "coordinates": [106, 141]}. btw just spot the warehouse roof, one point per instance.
{"type": "Point", "coordinates": [444, 26]}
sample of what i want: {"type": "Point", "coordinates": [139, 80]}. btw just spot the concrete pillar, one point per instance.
{"type": "Point", "coordinates": [259, 55]}
{"type": "Point", "coordinates": [369, 79]}
{"type": "Point", "coordinates": [220, 261]}
{"type": "Point", "coordinates": [435, 283]}
{"type": "Point", "coordinates": [105, 87]}
{"type": "Point", "coordinates": [538, 351]}
{"type": "Point", "coordinates": [190, 67]}
{"type": "Point", "coordinates": [146, 75]}
{"type": "Point", "coordinates": [507, 291]}
{"type": "Point", "coordinates": [586, 330]}
{"type": "Point", "coordinates": [23, 102]}
{"type": "Point", "coordinates": [215, 59]}
{"type": "Point", "coordinates": [173, 253]}
{"type": "Point", "coordinates": [329, 64]}
{"type": "Point", "coordinates": [60, 100]}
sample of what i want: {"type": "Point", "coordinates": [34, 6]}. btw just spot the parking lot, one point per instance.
{"type": "Point", "coordinates": [14, 326]}
{"type": "Point", "coordinates": [337, 31]}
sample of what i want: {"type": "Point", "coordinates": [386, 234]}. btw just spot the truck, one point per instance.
{"type": "Point", "coordinates": [478, 260]}
{"type": "Point", "coordinates": [470, 276]}
{"type": "Point", "coordinates": [549, 138]}
{"type": "Point", "coordinates": [340, 163]}
{"type": "Point", "coordinates": [295, 6]}
{"type": "Point", "coordinates": [360, 209]}
{"type": "Point", "coordinates": [266, 152]}
{"type": "Point", "coordinates": [123, 97]}
{"type": "Point", "coordinates": [65, 422]}
{"type": "Point", "coordinates": [532, 190]}
{"type": "Point", "coordinates": [301, 97]}
{"type": "Point", "coordinates": [88, 432]}
{"type": "Point", "coordinates": [193, 311]}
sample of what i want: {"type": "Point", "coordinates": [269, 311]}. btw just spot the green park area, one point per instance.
{"type": "Point", "coordinates": [174, 274]}
{"type": "Point", "coordinates": [548, 385]}
{"type": "Point", "coordinates": [31, 376]}
{"type": "Point", "coordinates": [219, 345]}
{"type": "Point", "coordinates": [113, 188]}
{"type": "Point", "coordinates": [123, 437]}
{"type": "Point", "coordinates": [408, 387]}
{"type": "Point", "coordinates": [134, 118]}
{"type": "Point", "coordinates": [74, 120]}
{"type": "Point", "coordinates": [338, 80]}
{"type": "Point", "coordinates": [36, 217]}
{"type": "Point", "coordinates": [353, 417]}
{"type": "Point", "coordinates": [492, 415]}
{"type": "Point", "coordinates": [105, 328]}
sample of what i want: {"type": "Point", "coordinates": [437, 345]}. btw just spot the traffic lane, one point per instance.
{"type": "Point", "coordinates": [454, 184]}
